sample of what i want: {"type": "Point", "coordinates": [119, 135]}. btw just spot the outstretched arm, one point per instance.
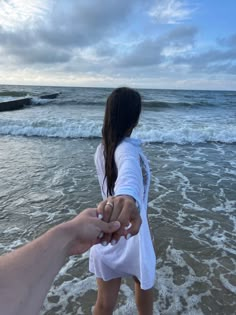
{"type": "Point", "coordinates": [127, 195]}
{"type": "Point", "coordinates": [27, 273]}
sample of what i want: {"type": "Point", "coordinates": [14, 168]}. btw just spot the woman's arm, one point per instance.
{"type": "Point", "coordinates": [128, 192]}
{"type": "Point", "coordinates": [129, 180]}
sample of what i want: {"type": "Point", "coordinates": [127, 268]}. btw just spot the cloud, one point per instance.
{"type": "Point", "coordinates": [26, 50]}
{"type": "Point", "coordinates": [230, 41]}
{"type": "Point", "coordinates": [14, 13]}
{"type": "Point", "coordinates": [176, 53]}
{"type": "Point", "coordinates": [152, 51]}
{"type": "Point", "coordinates": [82, 23]}
{"type": "Point", "coordinates": [68, 26]}
{"type": "Point", "coordinates": [213, 60]}
{"type": "Point", "coordinates": [181, 35]}
{"type": "Point", "coordinates": [146, 53]}
{"type": "Point", "coordinates": [170, 11]}
{"type": "Point", "coordinates": [41, 54]}
{"type": "Point", "coordinates": [110, 40]}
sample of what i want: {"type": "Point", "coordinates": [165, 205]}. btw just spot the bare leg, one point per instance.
{"type": "Point", "coordinates": [144, 299]}
{"type": "Point", "coordinates": [107, 296]}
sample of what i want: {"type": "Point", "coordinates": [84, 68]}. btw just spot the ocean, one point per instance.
{"type": "Point", "coordinates": [48, 175]}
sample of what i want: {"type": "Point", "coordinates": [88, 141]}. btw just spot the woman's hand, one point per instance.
{"type": "Point", "coordinates": [123, 209]}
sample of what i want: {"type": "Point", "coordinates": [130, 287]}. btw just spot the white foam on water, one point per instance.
{"type": "Point", "coordinates": [7, 98]}
{"type": "Point", "coordinates": [173, 128]}
{"type": "Point", "coordinates": [233, 220]}
{"type": "Point", "coordinates": [226, 283]}
{"type": "Point", "coordinates": [171, 295]}
{"type": "Point", "coordinates": [69, 290]}
{"type": "Point", "coordinates": [13, 245]}
{"type": "Point", "coordinates": [40, 101]}
{"type": "Point", "coordinates": [50, 216]}
{"type": "Point", "coordinates": [129, 308]}
{"type": "Point", "coordinates": [11, 230]}
{"type": "Point", "coordinates": [175, 256]}
{"type": "Point", "coordinates": [228, 206]}
{"type": "Point", "coordinates": [61, 128]}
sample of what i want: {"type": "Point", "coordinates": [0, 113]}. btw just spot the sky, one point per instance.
{"type": "Point", "coordinates": [169, 44]}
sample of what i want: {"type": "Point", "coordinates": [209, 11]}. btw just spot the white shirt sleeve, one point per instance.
{"type": "Point", "coordinates": [129, 179]}
{"type": "Point", "coordinates": [99, 163]}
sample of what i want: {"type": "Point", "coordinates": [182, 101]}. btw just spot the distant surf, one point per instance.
{"type": "Point", "coordinates": [168, 116]}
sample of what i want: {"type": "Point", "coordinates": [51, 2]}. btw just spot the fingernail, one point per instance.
{"type": "Point", "coordinates": [116, 224]}
{"type": "Point", "coordinates": [100, 235]}
{"type": "Point", "coordinates": [128, 236]}
{"type": "Point", "coordinates": [104, 243]}
{"type": "Point", "coordinates": [113, 242]}
{"type": "Point", "coordinates": [100, 216]}
{"type": "Point", "coordinates": [128, 226]}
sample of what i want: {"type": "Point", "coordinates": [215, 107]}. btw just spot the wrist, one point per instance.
{"type": "Point", "coordinates": [126, 196]}
{"type": "Point", "coordinates": [132, 199]}
{"type": "Point", "coordinates": [64, 234]}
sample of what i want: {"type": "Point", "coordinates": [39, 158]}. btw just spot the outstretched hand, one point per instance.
{"type": "Point", "coordinates": [85, 229]}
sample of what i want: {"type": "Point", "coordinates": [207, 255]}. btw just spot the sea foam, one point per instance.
{"type": "Point", "coordinates": [87, 128]}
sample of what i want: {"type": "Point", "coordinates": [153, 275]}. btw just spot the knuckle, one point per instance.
{"type": "Point", "coordinates": [119, 201]}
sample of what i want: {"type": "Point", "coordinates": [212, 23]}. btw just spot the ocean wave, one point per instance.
{"type": "Point", "coordinates": [166, 105]}
{"type": "Point", "coordinates": [35, 100]}
{"type": "Point", "coordinates": [187, 135]}
{"type": "Point", "coordinates": [85, 128]}
{"type": "Point", "coordinates": [57, 128]}
{"type": "Point", "coordinates": [13, 94]}
{"type": "Point", "coordinates": [100, 101]}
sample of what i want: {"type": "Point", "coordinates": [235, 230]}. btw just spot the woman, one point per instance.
{"type": "Point", "coordinates": [123, 170]}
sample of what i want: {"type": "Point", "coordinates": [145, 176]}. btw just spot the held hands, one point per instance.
{"type": "Point", "coordinates": [124, 210]}
{"type": "Point", "coordinates": [115, 217]}
{"type": "Point", "coordinates": [83, 231]}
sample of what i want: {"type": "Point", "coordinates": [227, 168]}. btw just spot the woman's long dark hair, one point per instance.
{"type": "Point", "coordinates": [122, 113]}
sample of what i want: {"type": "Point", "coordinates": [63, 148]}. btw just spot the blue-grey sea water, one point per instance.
{"type": "Point", "coordinates": [47, 175]}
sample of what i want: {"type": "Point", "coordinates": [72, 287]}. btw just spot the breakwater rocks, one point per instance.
{"type": "Point", "coordinates": [15, 104]}
{"type": "Point", "coordinates": [50, 96]}
{"type": "Point", "coordinates": [22, 102]}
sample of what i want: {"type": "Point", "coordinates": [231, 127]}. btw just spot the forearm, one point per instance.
{"type": "Point", "coordinates": [130, 180]}
{"type": "Point", "coordinates": [27, 273]}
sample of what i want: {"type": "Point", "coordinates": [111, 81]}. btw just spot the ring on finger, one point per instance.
{"type": "Point", "coordinates": [128, 226]}
{"type": "Point", "coordinates": [110, 204]}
